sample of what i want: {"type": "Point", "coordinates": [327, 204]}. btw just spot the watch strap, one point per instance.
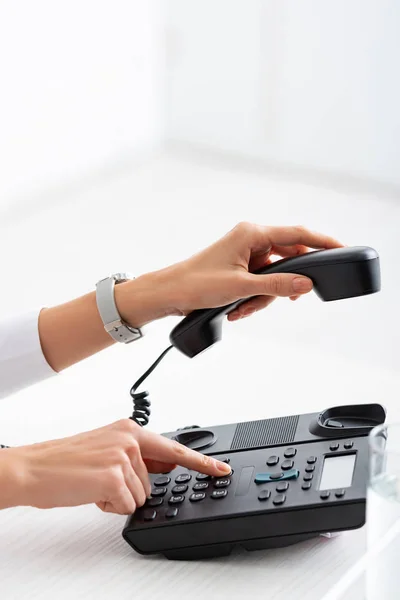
{"type": "Point", "coordinates": [113, 324]}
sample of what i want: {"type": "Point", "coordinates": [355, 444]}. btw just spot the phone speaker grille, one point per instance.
{"type": "Point", "coordinates": [256, 434]}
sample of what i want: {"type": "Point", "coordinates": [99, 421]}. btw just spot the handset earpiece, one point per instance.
{"type": "Point", "coordinates": [337, 274]}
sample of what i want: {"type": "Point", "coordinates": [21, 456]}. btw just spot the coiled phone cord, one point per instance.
{"type": "Point", "coordinates": [141, 402]}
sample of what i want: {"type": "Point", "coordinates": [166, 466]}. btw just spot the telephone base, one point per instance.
{"type": "Point", "coordinates": [220, 550]}
{"type": "Point", "coordinates": [291, 480]}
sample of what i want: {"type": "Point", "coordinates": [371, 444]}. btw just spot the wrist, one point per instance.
{"type": "Point", "coordinates": [144, 299]}
{"type": "Point", "coordinates": [12, 479]}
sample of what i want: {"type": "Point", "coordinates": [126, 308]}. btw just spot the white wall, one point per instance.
{"type": "Point", "coordinates": [80, 85]}
{"type": "Point", "coordinates": [313, 83]}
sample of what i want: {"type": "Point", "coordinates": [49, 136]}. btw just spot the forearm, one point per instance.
{"type": "Point", "coordinates": [74, 331]}
{"type": "Point", "coordinates": [12, 478]}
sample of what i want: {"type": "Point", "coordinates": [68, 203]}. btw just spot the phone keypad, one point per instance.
{"type": "Point", "coordinates": [287, 472]}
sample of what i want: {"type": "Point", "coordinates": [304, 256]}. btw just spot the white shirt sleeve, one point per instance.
{"type": "Point", "coordinates": [22, 362]}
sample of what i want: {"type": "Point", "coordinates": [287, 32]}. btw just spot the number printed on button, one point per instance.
{"type": "Point", "coordinates": [219, 493]}
{"type": "Point", "coordinates": [183, 478]}
{"type": "Point", "coordinates": [197, 496]}
{"type": "Point", "coordinates": [176, 499]}
{"type": "Point", "coordinates": [202, 485]}
{"type": "Point", "coordinates": [221, 483]}
{"type": "Point", "coordinates": [180, 489]}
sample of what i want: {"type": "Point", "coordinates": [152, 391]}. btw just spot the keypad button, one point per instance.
{"type": "Point", "coordinates": [179, 489]}
{"type": "Point", "coordinates": [197, 496]}
{"type": "Point", "coordinates": [275, 476]}
{"type": "Point", "coordinates": [176, 499]}
{"type": "Point", "coordinates": [348, 445]}
{"type": "Point", "coordinates": [224, 459]}
{"type": "Point", "coordinates": [282, 487]}
{"type": "Point", "coordinates": [306, 485]}
{"type": "Point", "coordinates": [339, 493]}
{"type": "Point", "coordinates": [310, 469]}
{"type": "Point", "coordinates": [287, 464]}
{"type": "Point", "coordinates": [202, 485]}
{"type": "Point", "coordinates": [290, 452]}
{"type": "Point", "coordinates": [163, 480]}
{"type": "Point", "coordinates": [308, 477]}
{"type": "Point", "coordinates": [272, 461]}
{"type": "Point", "coordinates": [279, 499]}
{"type": "Point", "coordinates": [203, 477]}
{"type": "Point", "coordinates": [324, 495]}
{"type": "Point", "coordinates": [222, 483]}
{"type": "Point", "coordinates": [171, 512]}
{"type": "Point", "coordinates": [334, 446]}
{"type": "Point", "coordinates": [154, 501]}
{"type": "Point", "coordinates": [264, 495]}
{"type": "Point", "coordinates": [311, 460]}
{"type": "Point", "coordinates": [161, 491]}
{"type": "Point", "coordinates": [183, 478]}
{"type": "Point", "coordinates": [149, 515]}
{"type": "Point", "coordinates": [219, 494]}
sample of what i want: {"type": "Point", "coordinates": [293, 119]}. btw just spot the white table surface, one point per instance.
{"type": "Point", "coordinates": [290, 359]}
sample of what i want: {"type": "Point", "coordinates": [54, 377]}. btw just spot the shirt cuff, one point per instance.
{"type": "Point", "coordinates": [22, 362]}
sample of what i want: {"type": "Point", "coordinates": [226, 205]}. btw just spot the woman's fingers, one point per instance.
{"type": "Point", "coordinates": [259, 260]}
{"type": "Point", "coordinates": [298, 235]}
{"type": "Point", "coordinates": [121, 502]}
{"type": "Point", "coordinates": [248, 308]}
{"type": "Point", "coordinates": [276, 284]}
{"type": "Point", "coordinates": [289, 251]}
{"type": "Point", "coordinates": [140, 469]}
{"type": "Point", "coordinates": [162, 449]}
{"type": "Point", "coordinates": [261, 239]}
{"type": "Point", "coordinates": [135, 486]}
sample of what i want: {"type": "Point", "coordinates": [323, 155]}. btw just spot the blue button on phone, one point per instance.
{"type": "Point", "coordinates": [265, 477]}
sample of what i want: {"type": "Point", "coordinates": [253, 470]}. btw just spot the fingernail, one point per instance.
{"type": "Point", "coordinates": [247, 312]}
{"type": "Point", "coordinates": [302, 284]}
{"type": "Point", "coordinates": [224, 467]}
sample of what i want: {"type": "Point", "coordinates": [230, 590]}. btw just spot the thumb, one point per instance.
{"type": "Point", "coordinates": [278, 284]}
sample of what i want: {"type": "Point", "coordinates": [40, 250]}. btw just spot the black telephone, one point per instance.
{"type": "Point", "coordinates": [292, 477]}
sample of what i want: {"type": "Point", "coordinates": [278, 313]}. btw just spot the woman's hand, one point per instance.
{"type": "Point", "coordinates": [108, 466]}
{"type": "Point", "coordinates": [219, 275]}
{"type": "Point", "coordinates": [222, 273]}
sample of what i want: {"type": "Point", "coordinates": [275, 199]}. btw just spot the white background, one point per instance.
{"type": "Point", "coordinates": [309, 83]}
{"type": "Point", "coordinates": [80, 89]}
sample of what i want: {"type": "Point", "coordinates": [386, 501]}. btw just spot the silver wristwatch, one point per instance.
{"type": "Point", "coordinates": [113, 324]}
